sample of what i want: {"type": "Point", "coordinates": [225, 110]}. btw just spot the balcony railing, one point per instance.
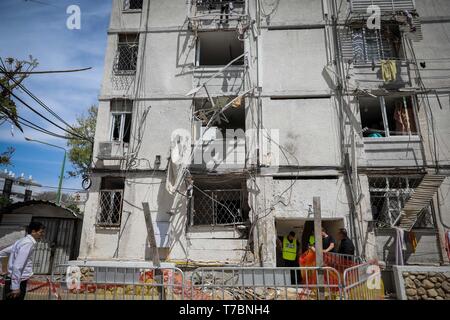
{"type": "Point", "coordinates": [386, 6]}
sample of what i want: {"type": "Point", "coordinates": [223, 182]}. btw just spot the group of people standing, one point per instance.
{"type": "Point", "coordinates": [291, 249]}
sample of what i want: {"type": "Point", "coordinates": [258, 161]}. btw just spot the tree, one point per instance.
{"type": "Point", "coordinates": [80, 150]}
{"type": "Point", "coordinates": [13, 73]}
{"type": "Point", "coordinates": [5, 157]}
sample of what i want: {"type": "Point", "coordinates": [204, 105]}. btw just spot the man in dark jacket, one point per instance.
{"type": "Point", "coordinates": [346, 246]}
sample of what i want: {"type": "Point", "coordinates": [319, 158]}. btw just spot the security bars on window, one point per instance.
{"type": "Point", "coordinates": [110, 209]}
{"type": "Point", "coordinates": [388, 196]}
{"type": "Point", "coordinates": [217, 207]}
{"type": "Point", "coordinates": [127, 54]}
{"type": "Point", "coordinates": [132, 4]}
{"type": "Point", "coordinates": [373, 45]}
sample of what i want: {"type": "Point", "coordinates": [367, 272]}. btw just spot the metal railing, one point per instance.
{"type": "Point", "coordinates": [386, 6]}
{"type": "Point", "coordinates": [72, 282]}
{"type": "Point", "coordinates": [235, 283]}
{"type": "Point", "coordinates": [363, 282]}
{"type": "Point", "coordinates": [340, 262]}
{"type": "Point", "coordinates": [140, 282]}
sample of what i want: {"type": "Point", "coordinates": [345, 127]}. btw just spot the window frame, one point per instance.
{"type": "Point", "coordinates": [216, 195]}
{"type": "Point", "coordinates": [387, 129]}
{"type": "Point", "coordinates": [111, 193]}
{"type": "Point", "coordinates": [130, 44]}
{"type": "Point", "coordinates": [381, 42]}
{"type": "Point", "coordinates": [129, 10]}
{"type": "Point", "coordinates": [122, 115]}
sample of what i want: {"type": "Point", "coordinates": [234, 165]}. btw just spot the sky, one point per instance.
{"type": "Point", "coordinates": [38, 28]}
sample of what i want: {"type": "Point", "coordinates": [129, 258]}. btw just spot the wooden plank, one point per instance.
{"type": "Point", "coordinates": [151, 234]}
{"type": "Point", "coordinates": [318, 242]}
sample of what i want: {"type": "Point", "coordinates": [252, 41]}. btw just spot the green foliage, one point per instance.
{"type": "Point", "coordinates": [80, 151]}
{"type": "Point", "coordinates": [5, 157]}
{"type": "Point", "coordinates": [4, 201]}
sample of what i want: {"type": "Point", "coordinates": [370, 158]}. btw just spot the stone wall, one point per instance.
{"type": "Point", "coordinates": [422, 282]}
{"type": "Point", "coordinates": [427, 285]}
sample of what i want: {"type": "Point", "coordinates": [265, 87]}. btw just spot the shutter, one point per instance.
{"type": "Point", "coordinates": [386, 6]}
{"type": "Point", "coordinates": [346, 43]}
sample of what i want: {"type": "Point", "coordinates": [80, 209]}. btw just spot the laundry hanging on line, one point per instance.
{"type": "Point", "coordinates": [389, 70]}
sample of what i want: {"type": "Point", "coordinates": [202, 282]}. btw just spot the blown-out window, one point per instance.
{"type": "Point", "coordinates": [388, 116]}
{"type": "Point", "coordinates": [121, 114]}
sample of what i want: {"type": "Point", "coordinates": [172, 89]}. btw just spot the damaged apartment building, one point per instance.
{"type": "Point", "coordinates": [286, 100]}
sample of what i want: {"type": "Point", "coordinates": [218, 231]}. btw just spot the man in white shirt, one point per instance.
{"type": "Point", "coordinates": [20, 263]}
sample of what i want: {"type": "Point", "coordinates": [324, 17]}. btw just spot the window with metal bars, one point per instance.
{"type": "Point", "coordinates": [388, 196]}
{"type": "Point", "coordinates": [132, 4]}
{"type": "Point", "coordinates": [110, 202]}
{"type": "Point", "coordinates": [218, 204]}
{"type": "Point", "coordinates": [371, 46]}
{"type": "Point", "coordinates": [127, 53]}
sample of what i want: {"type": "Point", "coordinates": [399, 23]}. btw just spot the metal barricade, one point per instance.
{"type": "Point", "coordinates": [235, 283]}
{"type": "Point", "coordinates": [96, 282]}
{"type": "Point", "coordinates": [363, 282]}
{"type": "Point", "coordinates": [340, 262]}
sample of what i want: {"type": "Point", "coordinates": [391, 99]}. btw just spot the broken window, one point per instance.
{"type": "Point", "coordinates": [132, 4]}
{"type": "Point", "coordinates": [388, 116]}
{"type": "Point", "coordinates": [111, 198]}
{"type": "Point", "coordinates": [121, 113]}
{"type": "Point", "coordinates": [127, 53]}
{"type": "Point", "coordinates": [219, 48]}
{"type": "Point", "coordinates": [371, 46]}
{"type": "Point", "coordinates": [219, 201]}
{"type": "Point", "coordinates": [233, 118]}
{"type": "Point", "coordinates": [388, 196]}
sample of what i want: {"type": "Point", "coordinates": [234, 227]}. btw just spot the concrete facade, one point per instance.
{"type": "Point", "coordinates": [288, 45]}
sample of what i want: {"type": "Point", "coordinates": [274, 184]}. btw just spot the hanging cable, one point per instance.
{"type": "Point", "coordinates": [42, 116]}
{"type": "Point", "coordinates": [28, 92]}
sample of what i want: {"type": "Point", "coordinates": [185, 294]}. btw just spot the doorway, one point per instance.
{"type": "Point", "coordinates": [303, 228]}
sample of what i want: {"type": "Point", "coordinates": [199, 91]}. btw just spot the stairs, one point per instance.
{"type": "Point", "coordinates": [421, 198]}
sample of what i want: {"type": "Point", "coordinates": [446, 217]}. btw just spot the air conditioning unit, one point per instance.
{"type": "Point", "coordinates": [111, 150]}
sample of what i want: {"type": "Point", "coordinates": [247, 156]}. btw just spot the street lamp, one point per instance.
{"type": "Point", "coordinates": [58, 195]}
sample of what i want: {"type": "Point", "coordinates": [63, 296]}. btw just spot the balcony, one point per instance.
{"type": "Point", "coordinates": [359, 7]}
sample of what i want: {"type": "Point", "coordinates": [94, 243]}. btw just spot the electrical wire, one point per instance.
{"type": "Point", "coordinates": [42, 116]}
{"type": "Point", "coordinates": [29, 93]}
